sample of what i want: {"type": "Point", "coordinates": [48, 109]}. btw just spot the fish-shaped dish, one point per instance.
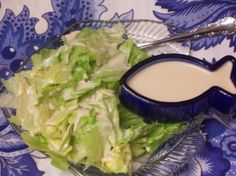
{"type": "Point", "coordinates": [175, 87]}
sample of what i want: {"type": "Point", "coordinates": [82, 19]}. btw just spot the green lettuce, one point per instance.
{"type": "Point", "coordinates": [69, 108]}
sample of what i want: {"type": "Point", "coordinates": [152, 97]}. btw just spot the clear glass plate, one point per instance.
{"type": "Point", "coordinates": [141, 31]}
{"type": "Point", "coordinates": [177, 151]}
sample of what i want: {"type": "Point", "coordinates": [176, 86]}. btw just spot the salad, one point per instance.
{"type": "Point", "coordinates": [69, 108]}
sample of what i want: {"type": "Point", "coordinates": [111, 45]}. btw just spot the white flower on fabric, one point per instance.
{"type": "Point", "coordinates": [205, 164]}
{"type": "Point", "coordinates": [198, 166]}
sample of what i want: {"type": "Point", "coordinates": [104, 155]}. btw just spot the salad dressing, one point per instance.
{"type": "Point", "coordinates": [175, 81]}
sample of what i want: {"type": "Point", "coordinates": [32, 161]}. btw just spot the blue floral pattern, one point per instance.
{"type": "Point", "coordinates": [228, 145]}
{"type": "Point", "coordinates": [19, 40]}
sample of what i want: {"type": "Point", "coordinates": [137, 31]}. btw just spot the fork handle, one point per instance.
{"type": "Point", "coordinates": [225, 26]}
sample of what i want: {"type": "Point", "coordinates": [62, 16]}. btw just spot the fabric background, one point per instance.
{"type": "Point", "coordinates": [26, 24]}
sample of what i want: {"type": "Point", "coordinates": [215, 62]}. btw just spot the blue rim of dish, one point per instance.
{"type": "Point", "coordinates": [185, 58]}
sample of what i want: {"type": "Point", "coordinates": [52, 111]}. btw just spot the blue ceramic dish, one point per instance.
{"type": "Point", "coordinates": [153, 110]}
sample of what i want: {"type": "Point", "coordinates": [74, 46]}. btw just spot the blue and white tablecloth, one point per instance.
{"type": "Point", "coordinates": [26, 24]}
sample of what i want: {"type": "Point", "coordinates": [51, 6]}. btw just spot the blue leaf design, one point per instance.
{"type": "Point", "coordinates": [12, 38]}
{"type": "Point", "coordinates": [11, 142]}
{"type": "Point", "coordinates": [17, 22]}
{"type": "Point", "coordinates": [173, 5]}
{"type": "Point", "coordinates": [67, 13]}
{"type": "Point", "coordinates": [197, 14]}
{"type": "Point", "coordinates": [95, 8]}
{"type": "Point", "coordinates": [206, 43]}
{"type": "Point", "coordinates": [8, 17]}
{"type": "Point", "coordinates": [19, 166]}
{"type": "Point", "coordinates": [125, 16]}
{"type": "Point", "coordinates": [3, 121]}
{"type": "Point", "coordinates": [232, 41]}
{"type": "Point", "coordinates": [23, 20]}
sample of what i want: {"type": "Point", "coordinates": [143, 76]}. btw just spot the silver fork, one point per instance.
{"type": "Point", "coordinates": [225, 26]}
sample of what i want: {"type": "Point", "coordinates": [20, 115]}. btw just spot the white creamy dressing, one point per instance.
{"type": "Point", "coordinates": [175, 81]}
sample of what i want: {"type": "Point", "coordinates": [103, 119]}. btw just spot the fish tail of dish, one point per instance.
{"type": "Point", "coordinates": [226, 74]}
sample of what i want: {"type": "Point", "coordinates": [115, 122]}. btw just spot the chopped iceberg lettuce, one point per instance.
{"type": "Point", "coordinates": [68, 106]}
